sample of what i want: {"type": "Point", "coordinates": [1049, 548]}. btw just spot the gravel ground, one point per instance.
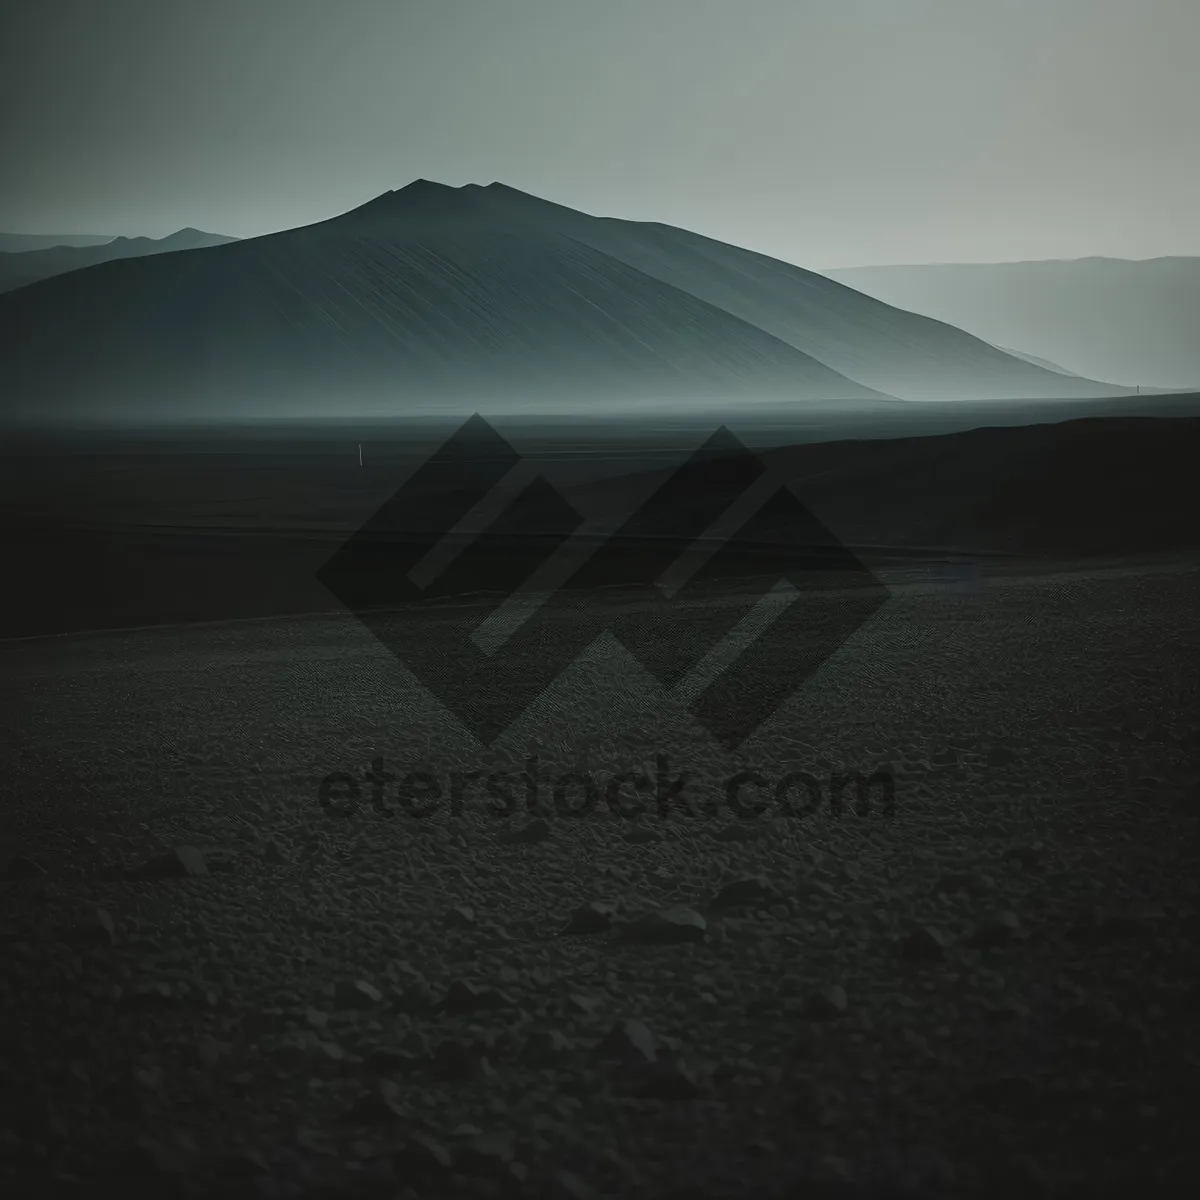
{"type": "Point", "coordinates": [989, 990]}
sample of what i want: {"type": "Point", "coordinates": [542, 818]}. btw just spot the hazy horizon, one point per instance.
{"type": "Point", "coordinates": [101, 239]}
{"type": "Point", "coordinates": [825, 267]}
{"type": "Point", "coordinates": [828, 134]}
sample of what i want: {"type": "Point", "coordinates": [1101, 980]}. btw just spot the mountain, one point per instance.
{"type": "Point", "coordinates": [424, 297]}
{"type": "Point", "coordinates": [29, 266]}
{"type": "Point", "coordinates": [1130, 321]}
{"type": "Point", "coordinates": [433, 296]}
{"type": "Point", "coordinates": [894, 351]}
{"type": "Point", "coordinates": [16, 243]}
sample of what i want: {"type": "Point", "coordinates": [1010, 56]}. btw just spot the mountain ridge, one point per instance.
{"type": "Point", "coordinates": [22, 268]}
{"type": "Point", "coordinates": [1129, 320]}
{"type": "Point", "coordinates": [433, 295]}
{"type": "Point", "coordinates": [978, 358]}
{"type": "Point", "coordinates": [22, 243]}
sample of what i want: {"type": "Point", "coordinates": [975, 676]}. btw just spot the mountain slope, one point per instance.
{"type": "Point", "coordinates": [899, 352]}
{"type": "Point", "coordinates": [424, 297]}
{"type": "Point", "coordinates": [894, 351]}
{"type": "Point", "coordinates": [1037, 362]}
{"type": "Point", "coordinates": [1131, 321]}
{"type": "Point", "coordinates": [30, 266]}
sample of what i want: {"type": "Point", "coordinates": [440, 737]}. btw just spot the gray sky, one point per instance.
{"type": "Point", "coordinates": [826, 132]}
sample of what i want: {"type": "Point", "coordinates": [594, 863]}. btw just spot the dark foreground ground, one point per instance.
{"type": "Point", "coordinates": [987, 987]}
{"type": "Point", "coordinates": [207, 1033]}
{"type": "Point", "coordinates": [117, 531]}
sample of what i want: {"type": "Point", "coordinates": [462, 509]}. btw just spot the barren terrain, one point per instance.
{"type": "Point", "coordinates": [992, 989]}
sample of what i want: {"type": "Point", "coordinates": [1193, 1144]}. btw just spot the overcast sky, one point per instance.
{"type": "Point", "coordinates": [826, 132]}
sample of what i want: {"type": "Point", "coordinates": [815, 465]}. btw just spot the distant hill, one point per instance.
{"type": "Point", "coordinates": [471, 297]}
{"type": "Point", "coordinates": [30, 266]}
{"type": "Point", "coordinates": [1134, 322]}
{"type": "Point", "coordinates": [15, 243]}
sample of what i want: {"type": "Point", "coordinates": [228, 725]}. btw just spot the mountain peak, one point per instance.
{"type": "Point", "coordinates": [422, 188]}
{"type": "Point", "coordinates": [423, 197]}
{"type": "Point", "coordinates": [426, 198]}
